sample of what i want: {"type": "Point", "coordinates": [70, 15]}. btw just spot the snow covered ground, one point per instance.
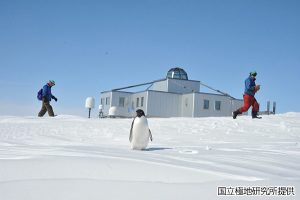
{"type": "Point", "coordinates": [70, 158]}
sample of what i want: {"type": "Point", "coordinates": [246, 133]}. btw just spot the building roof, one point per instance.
{"type": "Point", "coordinates": [173, 73]}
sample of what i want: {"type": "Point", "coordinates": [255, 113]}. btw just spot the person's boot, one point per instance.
{"type": "Point", "coordinates": [254, 115]}
{"type": "Point", "coordinates": [236, 113]}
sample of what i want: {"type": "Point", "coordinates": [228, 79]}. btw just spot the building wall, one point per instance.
{"type": "Point", "coordinates": [183, 86]}
{"type": "Point", "coordinates": [114, 97]}
{"type": "Point", "coordinates": [133, 101]}
{"type": "Point", "coordinates": [227, 105]}
{"type": "Point", "coordinates": [176, 86]}
{"type": "Point", "coordinates": [162, 104]}
{"type": "Point", "coordinates": [160, 86]}
{"type": "Point", "coordinates": [122, 110]}
{"type": "Point", "coordinates": [187, 105]}
{"type": "Point", "coordinates": [103, 101]}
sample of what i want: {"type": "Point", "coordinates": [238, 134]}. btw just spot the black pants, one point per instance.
{"type": "Point", "coordinates": [46, 107]}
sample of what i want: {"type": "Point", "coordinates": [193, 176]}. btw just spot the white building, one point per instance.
{"type": "Point", "coordinates": [174, 96]}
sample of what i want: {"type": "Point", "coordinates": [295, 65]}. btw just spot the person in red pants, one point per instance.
{"type": "Point", "coordinates": [249, 100]}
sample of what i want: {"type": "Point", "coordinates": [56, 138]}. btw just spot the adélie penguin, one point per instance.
{"type": "Point", "coordinates": [139, 132]}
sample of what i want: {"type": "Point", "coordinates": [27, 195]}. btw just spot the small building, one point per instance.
{"type": "Point", "coordinates": [173, 96]}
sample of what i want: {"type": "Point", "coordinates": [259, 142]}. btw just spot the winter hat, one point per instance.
{"type": "Point", "coordinates": [52, 82]}
{"type": "Point", "coordinates": [253, 73]}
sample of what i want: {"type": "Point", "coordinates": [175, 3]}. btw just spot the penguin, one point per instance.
{"type": "Point", "coordinates": [139, 131]}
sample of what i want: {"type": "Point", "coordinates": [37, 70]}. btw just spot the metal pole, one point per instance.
{"type": "Point", "coordinates": [89, 112]}
{"type": "Point", "coordinates": [268, 107]}
{"type": "Point", "coordinates": [274, 107]}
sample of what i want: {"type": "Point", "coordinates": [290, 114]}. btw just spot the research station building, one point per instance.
{"type": "Point", "coordinates": [173, 96]}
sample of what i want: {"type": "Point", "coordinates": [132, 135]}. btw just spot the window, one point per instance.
{"type": "Point", "coordinates": [176, 75]}
{"type": "Point", "coordinates": [184, 76]}
{"type": "Point", "coordinates": [102, 101]}
{"type": "Point", "coordinates": [218, 105]}
{"type": "Point", "coordinates": [142, 101]}
{"type": "Point", "coordinates": [107, 100]}
{"type": "Point", "coordinates": [137, 102]}
{"type": "Point", "coordinates": [206, 104]}
{"type": "Point", "coordinates": [121, 101]}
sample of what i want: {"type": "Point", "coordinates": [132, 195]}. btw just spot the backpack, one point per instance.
{"type": "Point", "coordinates": [40, 94]}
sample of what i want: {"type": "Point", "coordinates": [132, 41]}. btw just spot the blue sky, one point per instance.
{"type": "Point", "coordinates": [91, 46]}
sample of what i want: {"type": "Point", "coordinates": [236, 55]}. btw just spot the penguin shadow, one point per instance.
{"type": "Point", "coordinates": [157, 149]}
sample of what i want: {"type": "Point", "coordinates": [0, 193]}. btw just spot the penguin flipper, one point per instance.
{"type": "Point", "coordinates": [150, 134]}
{"type": "Point", "coordinates": [130, 135]}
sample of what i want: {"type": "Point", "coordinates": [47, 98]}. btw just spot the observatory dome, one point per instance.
{"type": "Point", "coordinates": [177, 73]}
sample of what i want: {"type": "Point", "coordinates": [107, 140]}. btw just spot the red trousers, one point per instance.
{"type": "Point", "coordinates": [249, 101]}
